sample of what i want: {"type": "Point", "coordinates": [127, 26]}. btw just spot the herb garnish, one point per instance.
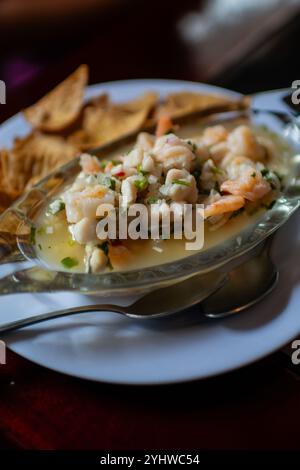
{"type": "Point", "coordinates": [69, 262]}
{"type": "Point", "coordinates": [32, 235]}
{"type": "Point", "coordinates": [181, 182]}
{"type": "Point", "coordinates": [141, 184]}
{"type": "Point", "coordinates": [152, 200]}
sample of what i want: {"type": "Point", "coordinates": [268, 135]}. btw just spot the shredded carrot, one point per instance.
{"type": "Point", "coordinates": [164, 125]}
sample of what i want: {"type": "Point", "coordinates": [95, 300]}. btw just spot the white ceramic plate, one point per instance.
{"type": "Point", "coordinates": [106, 347]}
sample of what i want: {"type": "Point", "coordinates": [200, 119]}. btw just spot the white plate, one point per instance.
{"type": "Point", "coordinates": [106, 347]}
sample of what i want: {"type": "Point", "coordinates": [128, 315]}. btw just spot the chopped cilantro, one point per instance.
{"type": "Point", "coordinates": [32, 235]}
{"type": "Point", "coordinates": [181, 182]}
{"type": "Point", "coordinates": [217, 171]}
{"type": "Point", "coordinates": [40, 246]}
{"type": "Point", "coordinates": [140, 170]}
{"type": "Point", "coordinates": [141, 184]}
{"type": "Point", "coordinates": [69, 262]}
{"type": "Point", "coordinates": [107, 181]}
{"type": "Point", "coordinates": [111, 183]}
{"type": "Point", "coordinates": [152, 200]}
{"type": "Point", "coordinates": [253, 174]}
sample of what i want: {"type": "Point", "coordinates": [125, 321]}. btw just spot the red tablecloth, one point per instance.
{"type": "Point", "coordinates": [257, 407]}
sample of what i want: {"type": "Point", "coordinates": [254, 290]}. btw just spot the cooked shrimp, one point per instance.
{"type": "Point", "coordinates": [242, 141]}
{"type": "Point", "coordinates": [224, 204]}
{"type": "Point", "coordinates": [164, 125]}
{"type": "Point", "coordinates": [218, 151]}
{"type": "Point", "coordinates": [250, 185]}
{"type": "Point", "coordinates": [235, 165]}
{"type": "Point", "coordinates": [172, 152]}
{"type": "Point", "coordinates": [145, 141]}
{"type": "Point", "coordinates": [211, 175]}
{"type": "Point", "coordinates": [214, 134]}
{"type": "Point", "coordinates": [89, 164]}
{"type": "Point", "coordinates": [180, 186]}
{"type": "Point", "coordinates": [84, 203]}
{"type": "Point", "coordinates": [134, 158]}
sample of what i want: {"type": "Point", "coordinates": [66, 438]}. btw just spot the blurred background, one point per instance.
{"type": "Point", "coordinates": [247, 45]}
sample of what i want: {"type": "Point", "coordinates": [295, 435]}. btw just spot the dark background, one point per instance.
{"type": "Point", "coordinates": [123, 39]}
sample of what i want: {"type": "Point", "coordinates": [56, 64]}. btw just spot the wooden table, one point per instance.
{"type": "Point", "coordinates": [253, 408]}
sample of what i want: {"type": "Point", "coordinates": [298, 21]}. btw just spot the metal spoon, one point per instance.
{"type": "Point", "coordinates": [158, 303]}
{"type": "Point", "coordinates": [219, 294]}
{"type": "Point", "coordinates": [248, 284]}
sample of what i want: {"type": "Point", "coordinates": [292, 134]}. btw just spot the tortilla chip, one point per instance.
{"type": "Point", "coordinates": [179, 104]}
{"type": "Point", "coordinates": [60, 107]}
{"type": "Point", "coordinates": [31, 159]}
{"type": "Point", "coordinates": [109, 122]}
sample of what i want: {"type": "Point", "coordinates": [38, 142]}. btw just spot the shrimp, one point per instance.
{"type": "Point", "coordinates": [84, 203]}
{"type": "Point", "coordinates": [242, 141]}
{"type": "Point", "coordinates": [235, 165]}
{"type": "Point", "coordinates": [180, 186]}
{"type": "Point", "coordinates": [211, 175]}
{"type": "Point", "coordinates": [214, 134]}
{"type": "Point", "coordinates": [145, 141]}
{"type": "Point", "coordinates": [223, 205]}
{"type": "Point", "coordinates": [172, 152]}
{"type": "Point", "coordinates": [250, 185]}
{"type": "Point", "coordinates": [89, 164]}
{"type": "Point", "coordinates": [164, 125]}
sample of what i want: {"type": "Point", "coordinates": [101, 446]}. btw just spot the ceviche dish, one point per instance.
{"type": "Point", "coordinates": [234, 172]}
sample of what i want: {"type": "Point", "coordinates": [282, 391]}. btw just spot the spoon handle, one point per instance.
{"type": "Point", "coordinates": [15, 325]}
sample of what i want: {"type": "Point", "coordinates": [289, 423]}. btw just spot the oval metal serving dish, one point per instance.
{"type": "Point", "coordinates": [20, 219]}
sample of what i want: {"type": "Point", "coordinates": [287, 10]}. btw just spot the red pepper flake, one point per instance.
{"type": "Point", "coordinates": [120, 174]}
